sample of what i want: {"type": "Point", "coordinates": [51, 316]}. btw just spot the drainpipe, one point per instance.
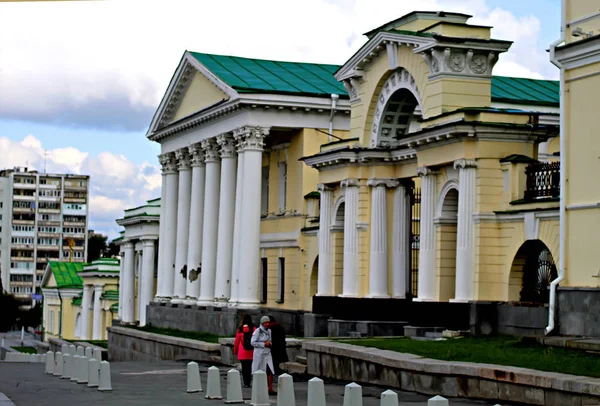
{"type": "Point", "coordinates": [334, 98]}
{"type": "Point", "coordinates": [60, 314]}
{"type": "Point", "coordinates": [563, 161]}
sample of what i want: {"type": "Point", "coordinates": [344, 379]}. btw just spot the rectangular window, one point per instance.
{"type": "Point", "coordinates": [264, 280]}
{"type": "Point", "coordinates": [264, 207]}
{"type": "Point", "coordinates": [282, 186]}
{"type": "Point", "coordinates": [281, 281]}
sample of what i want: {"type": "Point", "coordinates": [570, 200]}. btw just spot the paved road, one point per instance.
{"type": "Point", "coordinates": [150, 384]}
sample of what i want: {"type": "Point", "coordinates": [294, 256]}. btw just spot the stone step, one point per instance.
{"type": "Point", "coordinates": [416, 331]}
{"type": "Point", "coordinates": [294, 368]}
{"type": "Point", "coordinates": [301, 359]}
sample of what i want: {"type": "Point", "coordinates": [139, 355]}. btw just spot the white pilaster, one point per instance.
{"type": "Point", "coordinates": [250, 233]}
{"type": "Point", "coordinates": [194, 259]}
{"type": "Point", "coordinates": [147, 277]}
{"type": "Point", "coordinates": [97, 330]}
{"type": "Point", "coordinates": [325, 277]}
{"type": "Point", "coordinates": [85, 312]}
{"type": "Point", "coordinates": [211, 221]}
{"type": "Point", "coordinates": [378, 272]}
{"type": "Point", "coordinates": [465, 231]}
{"type": "Point", "coordinates": [183, 224]}
{"type": "Point", "coordinates": [401, 242]}
{"type": "Point", "coordinates": [426, 284]}
{"type": "Point", "coordinates": [237, 224]}
{"type": "Point", "coordinates": [170, 227]}
{"type": "Point", "coordinates": [350, 278]}
{"type": "Point", "coordinates": [128, 283]}
{"type": "Point", "coordinates": [160, 276]}
{"type": "Point", "coordinates": [226, 217]}
{"type": "Point", "coordinates": [121, 265]}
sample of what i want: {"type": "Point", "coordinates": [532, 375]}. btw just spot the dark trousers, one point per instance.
{"type": "Point", "coordinates": [247, 371]}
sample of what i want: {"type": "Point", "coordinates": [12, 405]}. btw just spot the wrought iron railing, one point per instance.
{"type": "Point", "coordinates": [543, 180]}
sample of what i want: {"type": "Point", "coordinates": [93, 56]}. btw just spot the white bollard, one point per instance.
{"type": "Point", "coordinates": [353, 395]}
{"type": "Point", "coordinates": [82, 377]}
{"type": "Point", "coordinates": [58, 364]}
{"type": "Point", "coordinates": [72, 350]}
{"type": "Point", "coordinates": [93, 373]}
{"type": "Point", "coordinates": [49, 362]}
{"type": "Point", "coordinates": [64, 349]}
{"type": "Point", "coordinates": [234, 387]}
{"type": "Point", "coordinates": [260, 389]}
{"type": "Point", "coordinates": [316, 392]}
{"type": "Point", "coordinates": [285, 391]}
{"type": "Point", "coordinates": [89, 352]}
{"type": "Point", "coordinates": [389, 398]}
{"type": "Point", "coordinates": [213, 384]}
{"type": "Point", "coordinates": [193, 378]}
{"type": "Point", "coordinates": [66, 373]}
{"type": "Point", "coordinates": [80, 351]}
{"type": "Point", "coordinates": [438, 401]}
{"type": "Point", "coordinates": [75, 370]}
{"type": "Point", "coordinates": [98, 354]}
{"type": "Point", "coordinates": [104, 377]}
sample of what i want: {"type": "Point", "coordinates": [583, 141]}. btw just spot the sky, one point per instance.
{"type": "Point", "coordinates": [80, 81]}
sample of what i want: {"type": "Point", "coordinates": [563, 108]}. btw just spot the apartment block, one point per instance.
{"type": "Point", "coordinates": [43, 217]}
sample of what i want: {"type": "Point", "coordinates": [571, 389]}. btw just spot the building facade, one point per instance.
{"type": "Point", "coordinates": [577, 55]}
{"type": "Point", "coordinates": [43, 217]}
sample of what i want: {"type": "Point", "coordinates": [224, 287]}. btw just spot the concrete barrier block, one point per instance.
{"type": "Point", "coordinates": [105, 381]}
{"type": "Point", "coordinates": [353, 395]}
{"type": "Point", "coordinates": [285, 391]}
{"type": "Point", "coordinates": [213, 384]}
{"type": "Point", "coordinates": [93, 373]}
{"type": "Point", "coordinates": [234, 387]}
{"type": "Point", "coordinates": [193, 378]}
{"type": "Point", "coordinates": [260, 389]}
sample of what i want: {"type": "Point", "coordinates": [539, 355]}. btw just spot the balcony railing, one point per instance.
{"type": "Point", "coordinates": [543, 180]}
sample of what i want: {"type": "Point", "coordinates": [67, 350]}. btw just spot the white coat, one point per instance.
{"type": "Point", "coordinates": [262, 355]}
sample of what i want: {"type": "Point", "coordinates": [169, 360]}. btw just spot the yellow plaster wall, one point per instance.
{"type": "Point", "coordinates": [293, 279]}
{"type": "Point", "coordinates": [578, 9]}
{"type": "Point", "coordinates": [460, 30]}
{"type": "Point", "coordinates": [445, 261]}
{"type": "Point", "coordinates": [200, 93]}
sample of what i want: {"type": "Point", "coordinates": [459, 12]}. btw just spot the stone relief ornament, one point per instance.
{"type": "Point", "coordinates": [479, 64]}
{"type": "Point", "coordinates": [196, 154]}
{"type": "Point", "coordinates": [211, 150]}
{"type": "Point", "coordinates": [457, 62]}
{"type": "Point", "coordinates": [227, 144]}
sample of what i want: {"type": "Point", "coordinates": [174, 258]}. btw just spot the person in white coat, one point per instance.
{"type": "Point", "coordinates": [261, 341]}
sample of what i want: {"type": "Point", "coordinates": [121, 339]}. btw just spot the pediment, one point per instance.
{"type": "Point", "coordinates": [192, 89]}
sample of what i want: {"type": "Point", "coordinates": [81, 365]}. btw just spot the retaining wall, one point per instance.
{"type": "Point", "coordinates": [450, 379]}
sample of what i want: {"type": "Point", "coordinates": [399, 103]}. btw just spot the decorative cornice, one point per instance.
{"type": "Point", "coordinates": [455, 60]}
{"type": "Point", "coordinates": [577, 54]}
{"type": "Point", "coordinates": [183, 159]}
{"type": "Point", "coordinates": [359, 156]}
{"type": "Point", "coordinates": [227, 144]}
{"type": "Point", "coordinates": [211, 150]}
{"type": "Point", "coordinates": [349, 183]}
{"type": "Point", "coordinates": [425, 171]}
{"type": "Point", "coordinates": [465, 163]}
{"type": "Point", "coordinates": [196, 154]}
{"type": "Point", "coordinates": [321, 187]}
{"type": "Point", "coordinates": [168, 162]}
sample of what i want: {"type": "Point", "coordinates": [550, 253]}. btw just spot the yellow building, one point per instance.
{"type": "Point", "coordinates": [577, 55]}
{"type": "Point", "coordinates": [408, 177]}
{"type": "Point", "coordinates": [80, 300]}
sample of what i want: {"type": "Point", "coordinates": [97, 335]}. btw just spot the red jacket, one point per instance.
{"type": "Point", "coordinates": [238, 345]}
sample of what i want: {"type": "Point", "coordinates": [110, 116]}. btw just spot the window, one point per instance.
{"type": "Point", "coordinates": [264, 279]}
{"type": "Point", "coordinates": [281, 280]}
{"type": "Point", "coordinates": [21, 278]}
{"type": "Point", "coordinates": [282, 186]}
{"type": "Point", "coordinates": [264, 196]}
{"type": "Point", "coordinates": [21, 265]}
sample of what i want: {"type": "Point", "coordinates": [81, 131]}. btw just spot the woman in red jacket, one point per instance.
{"type": "Point", "coordinates": [244, 349]}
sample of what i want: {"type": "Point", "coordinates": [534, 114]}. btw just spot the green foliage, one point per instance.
{"type": "Point", "coordinates": [96, 246]}
{"type": "Point", "coordinates": [193, 335]}
{"type": "Point", "coordinates": [511, 351]}
{"type": "Point", "coordinates": [26, 350]}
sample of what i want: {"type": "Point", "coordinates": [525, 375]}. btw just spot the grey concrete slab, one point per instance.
{"type": "Point", "coordinates": [149, 384]}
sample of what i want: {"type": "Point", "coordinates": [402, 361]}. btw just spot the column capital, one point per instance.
{"type": "Point", "coordinates": [147, 241]}
{"type": "Point", "coordinates": [465, 163]}
{"type": "Point", "coordinates": [98, 288]}
{"type": "Point", "coordinates": [168, 162]}
{"type": "Point", "coordinates": [211, 150]}
{"type": "Point", "coordinates": [227, 144]}
{"type": "Point", "coordinates": [349, 182]}
{"type": "Point", "coordinates": [196, 154]}
{"type": "Point", "coordinates": [322, 187]}
{"type": "Point", "coordinates": [390, 183]}
{"type": "Point", "coordinates": [129, 244]}
{"type": "Point", "coordinates": [183, 159]}
{"type": "Point", "coordinates": [425, 171]}
{"type": "Point", "coordinates": [253, 140]}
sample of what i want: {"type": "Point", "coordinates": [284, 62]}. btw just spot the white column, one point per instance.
{"type": "Point", "coordinates": [192, 291]}
{"type": "Point", "coordinates": [167, 264]}
{"type": "Point", "coordinates": [226, 217]}
{"type": "Point", "coordinates": [426, 284]}
{"type": "Point", "coordinates": [465, 232]}
{"type": "Point", "coordinates": [85, 312]}
{"type": "Point", "coordinates": [401, 243]}
{"type": "Point", "coordinates": [325, 277]}
{"type": "Point", "coordinates": [350, 279]}
{"type": "Point", "coordinates": [250, 234]}
{"type": "Point", "coordinates": [183, 224]}
{"type": "Point", "coordinates": [164, 161]}
{"type": "Point", "coordinates": [237, 224]}
{"type": "Point", "coordinates": [147, 276]}
{"type": "Point", "coordinates": [378, 269]}
{"type": "Point", "coordinates": [97, 330]}
{"type": "Point", "coordinates": [128, 283]}
{"type": "Point", "coordinates": [211, 221]}
{"type": "Point", "coordinates": [121, 265]}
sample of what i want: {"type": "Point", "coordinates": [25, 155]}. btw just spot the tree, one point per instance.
{"type": "Point", "coordinates": [112, 250]}
{"type": "Point", "coordinates": [10, 309]}
{"type": "Point", "coordinates": [96, 246]}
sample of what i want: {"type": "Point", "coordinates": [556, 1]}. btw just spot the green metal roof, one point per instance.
{"type": "Point", "coordinates": [77, 301]}
{"type": "Point", "coordinates": [247, 75]}
{"type": "Point", "coordinates": [114, 307]}
{"type": "Point", "coordinates": [258, 75]}
{"type": "Point", "coordinates": [111, 295]}
{"type": "Point", "coordinates": [66, 274]}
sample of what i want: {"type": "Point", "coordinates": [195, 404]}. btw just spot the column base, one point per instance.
{"type": "Point", "coordinates": [205, 302]}
{"type": "Point", "coordinates": [378, 296]}
{"type": "Point", "coordinates": [190, 301]}
{"type": "Point", "coordinates": [248, 305]}
{"type": "Point", "coordinates": [326, 294]}
{"type": "Point", "coordinates": [399, 297]}
{"type": "Point", "coordinates": [177, 300]}
{"type": "Point", "coordinates": [459, 300]}
{"type": "Point", "coordinates": [161, 299]}
{"type": "Point", "coordinates": [219, 303]}
{"type": "Point", "coordinates": [425, 299]}
{"type": "Point", "coordinates": [348, 296]}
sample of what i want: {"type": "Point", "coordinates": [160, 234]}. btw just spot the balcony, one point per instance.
{"type": "Point", "coordinates": [81, 200]}
{"type": "Point", "coordinates": [48, 247]}
{"type": "Point", "coordinates": [22, 246]}
{"type": "Point", "coordinates": [50, 223]}
{"type": "Point", "coordinates": [49, 211]}
{"type": "Point", "coordinates": [44, 234]}
{"type": "Point", "coordinates": [543, 181]}
{"type": "Point", "coordinates": [23, 210]}
{"type": "Point", "coordinates": [17, 222]}
{"type": "Point", "coordinates": [49, 198]}
{"type": "Point", "coordinates": [22, 259]}
{"type": "Point", "coordinates": [74, 223]}
{"type": "Point", "coordinates": [529, 184]}
{"type": "Point", "coordinates": [24, 198]}
{"type": "Point", "coordinates": [75, 188]}
{"type": "Point", "coordinates": [28, 186]}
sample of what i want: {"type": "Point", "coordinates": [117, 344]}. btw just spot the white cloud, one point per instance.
{"type": "Point", "coordinates": [115, 182]}
{"type": "Point", "coordinates": [106, 64]}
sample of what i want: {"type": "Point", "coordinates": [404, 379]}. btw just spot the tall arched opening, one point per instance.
{"type": "Point", "coordinates": [532, 271]}
{"type": "Point", "coordinates": [446, 243]}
